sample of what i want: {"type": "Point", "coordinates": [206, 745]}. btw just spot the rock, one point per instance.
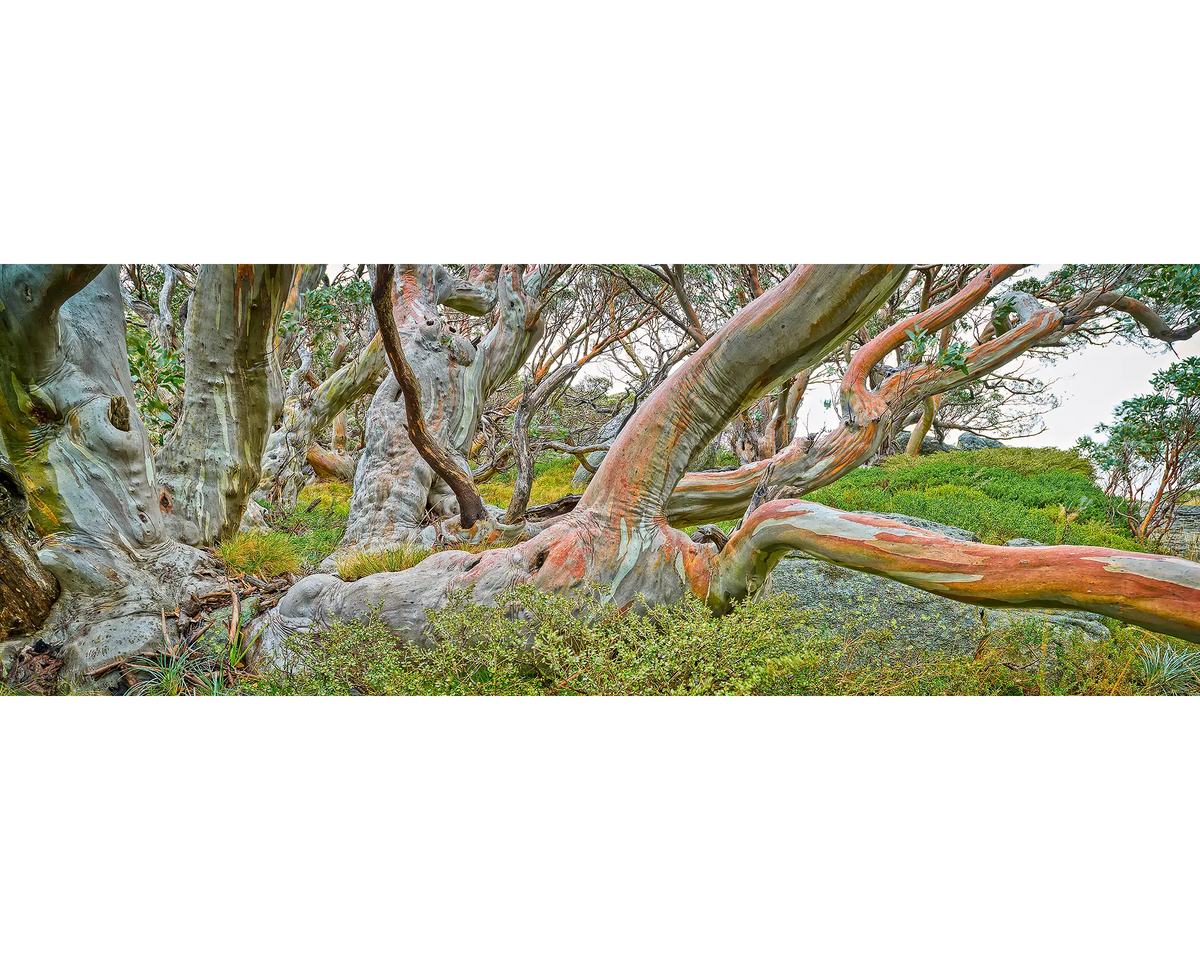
{"type": "Point", "coordinates": [970, 441]}
{"type": "Point", "coordinates": [1023, 542]}
{"type": "Point", "coordinates": [945, 530]}
{"type": "Point", "coordinates": [904, 619]}
{"type": "Point", "coordinates": [928, 445]}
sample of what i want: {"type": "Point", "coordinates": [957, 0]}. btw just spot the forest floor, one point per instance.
{"type": "Point", "coordinates": [765, 647]}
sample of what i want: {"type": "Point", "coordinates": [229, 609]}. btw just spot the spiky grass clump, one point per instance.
{"type": "Point", "coordinates": [1168, 670]}
{"type": "Point", "coordinates": [262, 555]}
{"type": "Point", "coordinates": [314, 527]}
{"type": "Point", "coordinates": [364, 563]}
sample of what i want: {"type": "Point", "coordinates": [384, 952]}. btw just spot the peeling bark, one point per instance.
{"type": "Point", "coordinates": [1155, 592]}
{"type": "Point", "coordinates": [616, 536]}
{"type": "Point", "coordinates": [456, 475]}
{"type": "Point", "coordinates": [619, 538]}
{"type": "Point", "coordinates": [396, 493]}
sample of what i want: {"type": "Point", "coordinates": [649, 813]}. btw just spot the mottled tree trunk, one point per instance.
{"type": "Point", "coordinates": [397, 495]}
{"type": "Point", "coordinates": [308, 416]}
{"type": "Point", "coordinates": [212, 459]}
{"type": "Point", "coordinates": [73, 433]}
{"type": "Point", "coordinates": [619, 536]}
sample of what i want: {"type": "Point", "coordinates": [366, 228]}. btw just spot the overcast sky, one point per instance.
{"type": "Point", "coordinates": [1089, 384]}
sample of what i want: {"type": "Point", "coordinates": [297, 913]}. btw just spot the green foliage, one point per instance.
{"type": "Point", "coordinates": [157, 381]}
{"type": "Point", "coordinates": [1001, 494]}
{"type": "Point", "coordinates": [1152, 448]}
{"type": "Point", "coordinates": [535, 644]}
{"type": "Point", "coordinates": [329, 310]}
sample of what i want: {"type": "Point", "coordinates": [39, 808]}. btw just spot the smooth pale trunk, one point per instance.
{"type": "Point", "coordinates": [212, 459]}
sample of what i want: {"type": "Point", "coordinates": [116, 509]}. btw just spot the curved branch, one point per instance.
{"type": "Point", "coordinates": [859, 403]}
{"type": "Point", "coordinates": [791, 326]}
{"type": "Point", "coordinates": [470, 504]}
{"type": "Point", "coordinates": [1158, 593]}
{"type": "Point", "coordinates": [1143, 313]}
{"type": "Point", "coordinates": [709, 496]}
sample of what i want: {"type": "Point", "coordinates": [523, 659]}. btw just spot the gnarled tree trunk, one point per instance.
{"type": "Point", "coordinates": [73, 433]}
{"type": "Point", "coordinates": [397, 495]}
{"type": "Point", "coordinates": [620, 536]}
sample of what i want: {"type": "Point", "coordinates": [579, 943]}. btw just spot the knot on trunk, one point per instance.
{"type": "Point", "coordinates": [118, 413]}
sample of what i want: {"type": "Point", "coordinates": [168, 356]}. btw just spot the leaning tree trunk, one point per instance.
{"type": "Point", "coordinates": [619, 537]}
{"type": "Point", "coordinates": [211, 461]}
{"type": "Point", "coordinates": [74, 435]}
{"type": "Point", "coordinates": [396, 492]}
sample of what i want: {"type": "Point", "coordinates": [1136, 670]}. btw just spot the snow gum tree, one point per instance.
{"type": "Point", "coordinates": [625, 534]}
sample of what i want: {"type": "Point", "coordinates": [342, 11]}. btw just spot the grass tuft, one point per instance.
{"type": "Point", "coordinates": [551, 480]}
{"type": "Point", "coordinates": [355, 566]}
{"type": "Point", "coordinates": [262, 555]}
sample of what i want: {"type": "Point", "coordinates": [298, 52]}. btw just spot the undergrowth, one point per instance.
{"type": "Point", "coordinates": [541, 645]}
{"type": "Point", "coordinates": [1000, 494]}
{"type": "Point", "coordinates": [551, 480]}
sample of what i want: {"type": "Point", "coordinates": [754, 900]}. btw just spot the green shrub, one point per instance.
{"type": "Point", "coordinates": [535, 643]}
{"type": "Point", "coordinates": [1000, 494]}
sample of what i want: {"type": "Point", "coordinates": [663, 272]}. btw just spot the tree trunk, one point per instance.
{"type": "Point", "coordinates": [73, 433]}
{"type": "Point", "coordinates": [212, 459]}
{"type": "Point", "coordinates": [396, 492]}
{"type": "Point", "coordinates": [27, 591]}
{"type": "Point", "coordinates": [308, 416]}
{"type": "Point", "coordinates": [618, 536]}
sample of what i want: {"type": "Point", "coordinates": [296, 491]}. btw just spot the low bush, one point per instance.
{"type": "Point", "coordinates": [1000, 494]}
{"type": "Point", "coordinates": [537, 644]}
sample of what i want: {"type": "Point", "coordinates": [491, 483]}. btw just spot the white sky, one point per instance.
{"type": "Point", "coordinates": [1089, 384]}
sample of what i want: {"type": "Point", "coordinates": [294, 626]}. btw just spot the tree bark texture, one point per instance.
{"type": "Point", "coordinates": [212, 459]}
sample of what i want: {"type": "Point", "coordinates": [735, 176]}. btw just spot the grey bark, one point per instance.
{"type": "Point", "coordinates": [396, 493]}
{"type": "Point", "coordinates": [212, 459]}
{"type": "Point", "coordinates": [72, 431]}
